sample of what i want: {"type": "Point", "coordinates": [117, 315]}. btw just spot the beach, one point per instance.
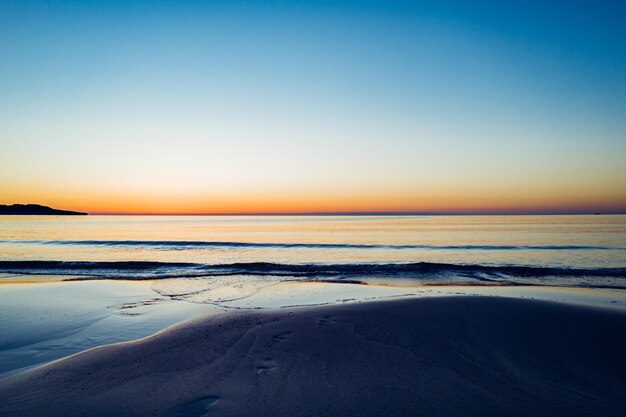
{"type": "Point", "coordinates": [312, 316]}
{"type": "Point", "coordinates": [469, 355]}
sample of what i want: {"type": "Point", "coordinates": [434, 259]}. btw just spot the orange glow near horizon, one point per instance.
{"type": "Point", "coordinates": [318, 201]}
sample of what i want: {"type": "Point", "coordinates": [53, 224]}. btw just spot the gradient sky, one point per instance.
{"type": "Point", "coordinates": [244, 106]}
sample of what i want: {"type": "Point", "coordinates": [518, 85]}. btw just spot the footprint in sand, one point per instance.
{"type": "Point", "coordinates": [264, 365]}
{"type": "Point", "coordinates": [198, 408]}
{"type": "Point", "coordinates": [267, 365]}
{"type": "Point", "coordinates": [280, 337]}
{"type": "Point", "coordinates": [325, 320]}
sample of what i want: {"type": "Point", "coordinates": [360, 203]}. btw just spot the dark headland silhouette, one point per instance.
{"type": "Point", "coordinates": [35, 209]}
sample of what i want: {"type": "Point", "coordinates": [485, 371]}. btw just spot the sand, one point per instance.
{"type": "Point", "coordinates": [453, 356]}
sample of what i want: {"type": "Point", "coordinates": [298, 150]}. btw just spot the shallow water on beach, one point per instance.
{"type": "Point", "coordinates": [50, 320]}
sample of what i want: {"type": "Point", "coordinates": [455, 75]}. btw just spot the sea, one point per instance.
{"type": "Point", "coordinates": [557, 250]}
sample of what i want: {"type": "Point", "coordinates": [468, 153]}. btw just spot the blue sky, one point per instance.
{"type": "Point", "coordinates": [425, 105]}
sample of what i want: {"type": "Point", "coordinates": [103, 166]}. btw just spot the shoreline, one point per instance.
{"type": "Point", "coordinates": [471, 355]}
{"type": "Point", "coordinates": [49, 320]}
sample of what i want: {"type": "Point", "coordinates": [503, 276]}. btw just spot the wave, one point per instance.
{"type": "Point", "coordinates": [417, 270]}
{"type": "Point", "coordinates": [169, 244]}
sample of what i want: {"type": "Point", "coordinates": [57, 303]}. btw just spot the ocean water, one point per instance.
{"type": "Point", "coordinates": [588, 251]}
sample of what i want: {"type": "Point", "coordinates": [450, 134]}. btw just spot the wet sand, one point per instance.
{"type": "Point", "coordinates": [50, 319]}
{"type": "Point", "coordinates": [463, 356]}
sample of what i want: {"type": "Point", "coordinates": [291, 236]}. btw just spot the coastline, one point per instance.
{"type": "Point", "coordinates": [46, 319]}
{"type": "Point", "coordinates": [471, 355]}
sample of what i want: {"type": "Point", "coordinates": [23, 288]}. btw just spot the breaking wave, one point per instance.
{"type": "Point", "coordinates": [425, 271]}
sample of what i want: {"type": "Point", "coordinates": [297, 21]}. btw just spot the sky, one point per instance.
{"type": "Point", "coordinates": [313, 106]}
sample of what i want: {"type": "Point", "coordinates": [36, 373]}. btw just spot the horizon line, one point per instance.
{"type": "Point", "coordinates": [376, 213]}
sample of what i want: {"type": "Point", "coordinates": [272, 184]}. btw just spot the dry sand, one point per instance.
{"type": "Point", "coordinates": [457, 356]}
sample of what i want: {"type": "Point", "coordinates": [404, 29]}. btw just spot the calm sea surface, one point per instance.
{"type": "Point", "coordinates": [567, 250]}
